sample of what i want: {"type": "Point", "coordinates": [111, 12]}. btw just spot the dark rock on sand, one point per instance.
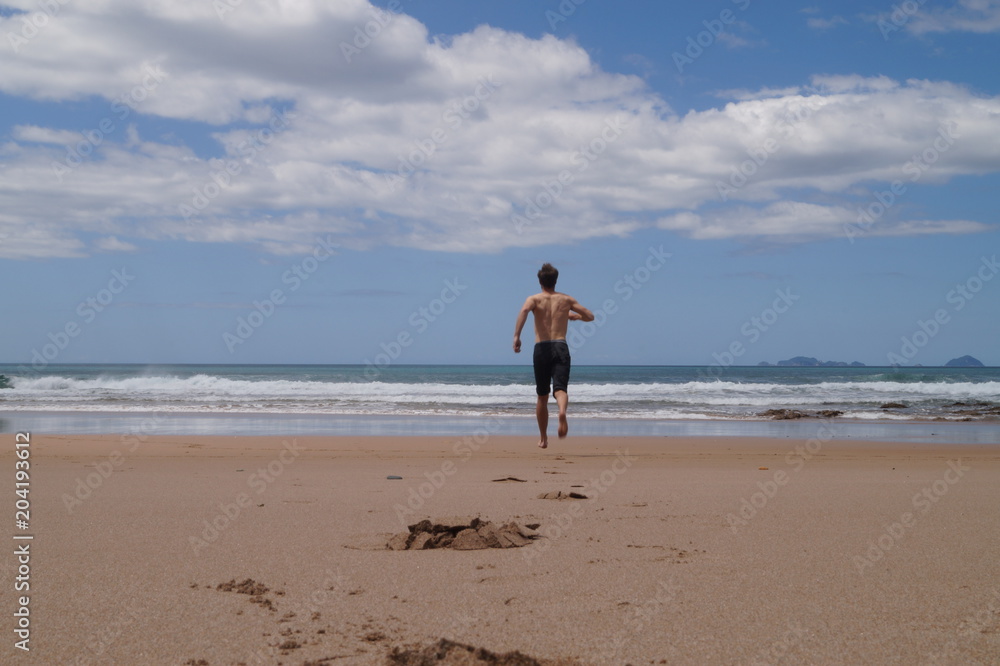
{"type": "Point", "coordinates": [783, 414]}
{"type": "Point", "coordinates": [442, 540]}
{"type": "Point", "coordinates": [422, 526]}
{"type": "Point", "coordinates": [894, 405]}
{"type": "Point", "coordinates": [560, 495]}
{"type": "Point", "coordinates": [454, 524]}
{"type": "Point", "coordinates": [786, 414]}
{"type": "Point", "coordinates": [248, 586]}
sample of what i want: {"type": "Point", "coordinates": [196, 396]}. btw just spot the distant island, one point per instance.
{"type": "Point", "coordinates": [810, 362]}
{"type": "Point", "coordinates": [964, 362]}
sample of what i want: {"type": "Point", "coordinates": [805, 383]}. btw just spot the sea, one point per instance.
{"type": "Point", "coordinates": [957, 404]}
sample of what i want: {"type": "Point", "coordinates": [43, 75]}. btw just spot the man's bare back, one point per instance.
{"type": "Point", "coordinates": [553, 311]}
{"type": "Point", "coordinates": [551, 315]}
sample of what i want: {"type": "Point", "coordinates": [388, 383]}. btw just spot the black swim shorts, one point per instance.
{"type": "Point", "coordinates": [551, 366]}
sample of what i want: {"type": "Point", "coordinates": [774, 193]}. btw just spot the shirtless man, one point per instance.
{"type": "Point", "coordinates": [552, 311]}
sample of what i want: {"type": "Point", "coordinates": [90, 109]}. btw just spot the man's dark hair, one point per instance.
{"type": "Point", "coordinates": [547, 276]}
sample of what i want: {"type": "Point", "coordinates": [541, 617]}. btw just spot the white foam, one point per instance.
{"type": "Point", "coordinates": [689, 400]}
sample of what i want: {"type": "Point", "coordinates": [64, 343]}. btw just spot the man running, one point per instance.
{"type": "Point", "coordinates": [552, 311]}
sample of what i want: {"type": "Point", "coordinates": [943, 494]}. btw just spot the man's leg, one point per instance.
{"type": "Point", "coordinates": [560, 382]}
{"type": "Point", "coordinates": [542, 414]}
{"type": "Point", "coordinates": [562, 399]}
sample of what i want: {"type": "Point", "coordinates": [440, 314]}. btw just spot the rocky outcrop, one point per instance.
{"type": "Point", "coordinates": [964, 362]}
{"type": "Point", "coordinates": [788, 414]}
{"type": "Point", "coordinates": [810, 362]}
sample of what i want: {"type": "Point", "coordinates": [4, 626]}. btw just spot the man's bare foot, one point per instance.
{"type": "Point", "coordinates": [543, 443]}
{"type": "Point", "coordinates": [563, 426]}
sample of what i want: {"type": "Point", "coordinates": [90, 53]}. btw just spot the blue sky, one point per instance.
{"type": "Point", "coordinates": [323, 182]}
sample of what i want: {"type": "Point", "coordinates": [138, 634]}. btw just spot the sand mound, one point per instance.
{"type": "Point", "coordinates": [463, 534]}
{"type": "Point", "coordinates": [457, 654]}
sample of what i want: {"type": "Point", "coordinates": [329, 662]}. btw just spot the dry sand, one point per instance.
{"type": "Point", "coordinates": [688, 551]}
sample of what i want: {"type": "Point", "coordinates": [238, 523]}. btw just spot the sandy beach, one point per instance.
{"type": "Point", "coordinates": [270, 550]}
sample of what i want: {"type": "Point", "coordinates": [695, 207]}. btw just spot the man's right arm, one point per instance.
{"type": "Point", "coordinates": [522, 317]}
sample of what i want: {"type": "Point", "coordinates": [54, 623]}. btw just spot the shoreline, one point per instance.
{"type": "Point", "coordinates": [242, 424]}
{"type": "Point", "coordinates": [692, 550]}
{"type": "Point", "coordinates": [485, 444]}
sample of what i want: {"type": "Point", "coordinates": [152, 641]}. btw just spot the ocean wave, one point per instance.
{"type": "Point", "coordinates": [651, 400]}
{"type": "Point", "coordinates": [203, 382]}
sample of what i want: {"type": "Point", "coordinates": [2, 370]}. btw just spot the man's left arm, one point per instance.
{"type": "Point", "coordinates": [579, 313]}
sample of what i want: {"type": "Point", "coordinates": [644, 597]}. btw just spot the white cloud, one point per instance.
{"type": "Point", "coordinates": [826, 23]}
{"type": "Point", "coordinates": [981, 16]}
{"type": "Point", "coordinates": [844, 83]}
{"type": "Point", "coordinates": [112, 244]}
{"type": "Point", "coordinates": [21, 241]}
{"type": "Point", "coordinates": [798, 221]}
{"type": "Point", "coordinates": [35, 134]}
{"type": "Point", "coordinates": [480, 128]}
{"type": "Point", "coordinates": [741, 94]}
{"type": "Point", "coordinates": [734, 41]}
